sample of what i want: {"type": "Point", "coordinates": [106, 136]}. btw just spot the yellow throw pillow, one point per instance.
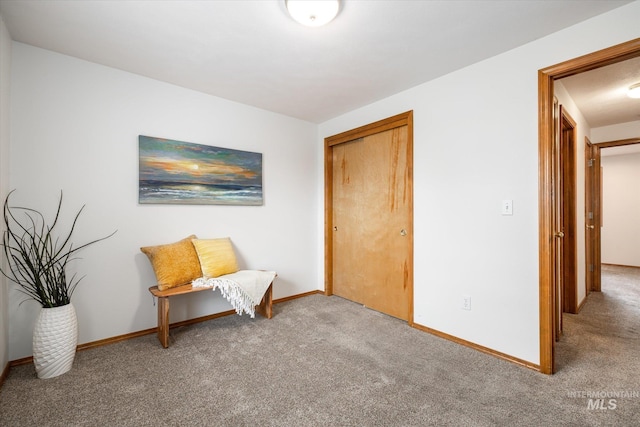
{"type": "Point", "coordinates": [216, 256]}
{"type": "Point", "coordinates": [174, 264]}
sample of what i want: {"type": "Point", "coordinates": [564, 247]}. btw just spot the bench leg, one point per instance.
{"type": "Point", "coordinates": [163, 321]}
{"type": "Point", "coordinates": [265, 307]}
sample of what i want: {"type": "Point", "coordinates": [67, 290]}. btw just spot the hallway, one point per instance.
{"type": "Point", "coordinates": [603, 340]}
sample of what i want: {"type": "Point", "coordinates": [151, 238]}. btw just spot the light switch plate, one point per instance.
{"type": "Point", "coordinates": [507, 207]}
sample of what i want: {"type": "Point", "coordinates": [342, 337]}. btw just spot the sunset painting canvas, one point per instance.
{"type": "Point", "coordinates": [178, 172]}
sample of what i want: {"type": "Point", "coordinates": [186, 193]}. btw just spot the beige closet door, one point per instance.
{"type": "Point", "coordinates": [372, 221]}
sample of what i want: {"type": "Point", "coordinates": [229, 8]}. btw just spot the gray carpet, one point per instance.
{"type": "Point", "coordinates": [325, 361]}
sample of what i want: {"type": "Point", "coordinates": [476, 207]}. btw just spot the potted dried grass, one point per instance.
{"type": "Point", "coordinates": [37, 259]}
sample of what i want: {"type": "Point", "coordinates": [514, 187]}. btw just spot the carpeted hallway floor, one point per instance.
{"type": "Point", "coordinates": [325, 361]}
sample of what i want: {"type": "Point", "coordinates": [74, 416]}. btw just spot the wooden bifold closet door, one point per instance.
{"type": "Point", "coordinates": [372, 221]}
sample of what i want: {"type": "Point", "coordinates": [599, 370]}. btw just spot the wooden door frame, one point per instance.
{"type": "Point", "coordinates": [403, 119]}
{"type": "Point", "coordinates": [546, 78]}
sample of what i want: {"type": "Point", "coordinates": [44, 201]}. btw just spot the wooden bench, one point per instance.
{"type": "Point", "coordinates": [264, 308]}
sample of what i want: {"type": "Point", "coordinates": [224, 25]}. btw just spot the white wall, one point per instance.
{"type": "Point", "coordinates": [5, 72]}
{"type": "Point", "coordinates": [583, 129]}
{"type": "Point", "coordinates": [475, 144]}
{"type": "Point", "coordinates": [616, 132]}
{"type": "Point", "coordinates": [621, 210]}
{"type": "Point", "coordinates": [75, 127]}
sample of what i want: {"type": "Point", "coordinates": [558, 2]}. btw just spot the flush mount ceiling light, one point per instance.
{"type": "Point", "coordinates": [634, 91]}
{"type": "Point", "coordinates": [313, 13]}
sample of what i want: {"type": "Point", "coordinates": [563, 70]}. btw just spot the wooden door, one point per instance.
{"type": "Point", "coordinates": [371, 246]}
{"type": "Point", "coordinates": [569, 255]}
{"type": "Point", "coordinates": [564, 218]}
{"type": "Point", "coordinates": [557, 247]}
{"type": "Point", "coordinates": [592, 216]}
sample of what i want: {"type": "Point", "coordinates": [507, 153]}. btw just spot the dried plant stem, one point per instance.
{"type": "Point", "coordinates": [37, 260]}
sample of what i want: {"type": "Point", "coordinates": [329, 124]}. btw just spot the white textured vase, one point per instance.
{"type": "Point", "coordinates": [55, 338]}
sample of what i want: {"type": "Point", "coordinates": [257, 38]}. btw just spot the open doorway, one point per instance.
{"type": "Point", "coordinates": [547, 207]}
{"type": "Point", "coordinates": [620, 172]}
{"type": "Point", "coordinates": [621, 236]}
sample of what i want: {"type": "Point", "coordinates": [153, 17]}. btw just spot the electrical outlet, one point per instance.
{"type": "Point", "coordinates": [466, 302]}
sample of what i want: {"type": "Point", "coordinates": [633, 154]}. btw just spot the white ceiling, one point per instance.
{"type": "Point", "coordinates": [601, 94]}
{"type": "Point", "coordinates": [252, 52]}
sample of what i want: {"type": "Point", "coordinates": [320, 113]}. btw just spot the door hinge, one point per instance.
{"type": "Point", "coordinates": [591, 268]}
{"type": "Point", "coordinates": [589, 215]}
{"type": "Point", "coordinates": [590, 162]}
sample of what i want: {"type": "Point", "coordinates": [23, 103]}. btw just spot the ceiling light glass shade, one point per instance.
{"type": "Point", "coordinates": [313, 13]}
{"type": "Point", "coordinates": [634, 91]}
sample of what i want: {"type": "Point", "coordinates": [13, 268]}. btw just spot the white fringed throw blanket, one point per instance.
{"type": "Point", "coordinates": [244, 289]}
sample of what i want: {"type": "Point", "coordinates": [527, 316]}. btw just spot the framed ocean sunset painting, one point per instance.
{"type": "Point", "coordinates": [177, 172]}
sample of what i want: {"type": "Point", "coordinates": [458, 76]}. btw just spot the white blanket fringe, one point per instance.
{"type": "Point", "coordinates": [243, 289]}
